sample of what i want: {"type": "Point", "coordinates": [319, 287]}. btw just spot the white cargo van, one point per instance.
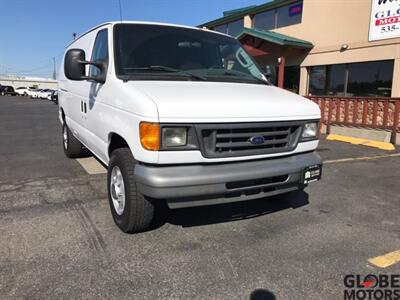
{"type": "Point", "coordinates": [182, 115]}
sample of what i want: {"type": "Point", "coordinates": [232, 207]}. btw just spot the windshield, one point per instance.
{"type": "Point", "coordinates": [156, 52]}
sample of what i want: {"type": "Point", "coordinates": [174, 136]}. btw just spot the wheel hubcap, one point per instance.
{"type": "Point", "coordinates": [117, 190]}
{"type": "Point", "coordinates": [65, 137]}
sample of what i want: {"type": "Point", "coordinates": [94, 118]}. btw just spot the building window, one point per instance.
{"type": "Point", "coordinates": [221, 28]}
{"type": "Point", "coordinates": [231, 28]}
{"type": "Point", "coordinates": [265, 20]}
{"type": "Point", "coordinates": [289, 15]}
{"type": "Point", "coordinates": [336, 79]}
{"type": "Point", "coordinates": [370, 79]}
{"type": "Point", "coordinates": [358, 79]}
{"type": "Point", "coordinates": [282, 16]}
{"type": "Point", "coordinates": [235, 27]}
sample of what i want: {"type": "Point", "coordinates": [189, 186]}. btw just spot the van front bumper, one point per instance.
{"type": "Point", "coordinates": [197, 185]}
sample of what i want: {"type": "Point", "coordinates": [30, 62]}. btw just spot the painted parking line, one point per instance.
{"type": "Point", "coordinates": [386, 260]}
{"type": "Point", "coordinates": [358, 141]}
{"type": "Point", "coordinates": [340, 160]}
{"type": "Point", "coordinates": [91, 165]}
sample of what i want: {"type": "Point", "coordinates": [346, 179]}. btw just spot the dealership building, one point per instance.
{"type": "Point", "coordinates": [336, 48]}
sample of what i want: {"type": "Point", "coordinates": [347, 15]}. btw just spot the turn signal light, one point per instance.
{"type": "Point", "coordinates": [150, 136]}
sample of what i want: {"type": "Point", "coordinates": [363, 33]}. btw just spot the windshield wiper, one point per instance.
{"type": "Point", "coordinates": [225, 72]}
{"type": "Point", "coordinates": [238, 74]}
{"type": "Point", "coordinates": [166, 69]}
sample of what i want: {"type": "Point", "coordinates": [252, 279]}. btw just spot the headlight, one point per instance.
{"type": "Point", "coordinates": [310, 130]}
{"type": "Point", "coordinates": [174, 136]}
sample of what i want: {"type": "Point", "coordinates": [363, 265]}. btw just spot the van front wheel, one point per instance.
{"type": "Point", "coordinates": [132, 211]}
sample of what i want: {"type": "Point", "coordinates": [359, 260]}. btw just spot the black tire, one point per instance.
{"type": "Point", "coordinates": [72, 146]}
{"type": "Point", "coordinates": [2, 93]}
{"type": "Point", "coordinates": [138, 213]}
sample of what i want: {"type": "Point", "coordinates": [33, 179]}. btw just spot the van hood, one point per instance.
{"type": "Point", "coordinates": [194, 101]}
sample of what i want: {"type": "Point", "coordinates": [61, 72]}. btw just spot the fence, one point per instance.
{"type": "Point", "coordinates": [364, 112]}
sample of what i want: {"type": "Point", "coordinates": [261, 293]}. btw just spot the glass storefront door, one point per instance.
{"type": "Point", "coordinates": [292, 79]}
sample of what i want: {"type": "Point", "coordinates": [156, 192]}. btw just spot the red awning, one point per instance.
{"type": "Point", "coordinates": [254, 51]}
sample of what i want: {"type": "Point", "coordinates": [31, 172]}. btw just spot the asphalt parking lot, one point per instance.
{"type": "Point", "coordinates": [58, 239]}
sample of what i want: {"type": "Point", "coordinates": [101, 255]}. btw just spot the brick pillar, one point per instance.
{"type": "Point", "coordinates": [281, 72]}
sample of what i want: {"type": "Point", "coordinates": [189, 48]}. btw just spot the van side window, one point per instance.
{"type": "Point", "coordinates": [100, 51]}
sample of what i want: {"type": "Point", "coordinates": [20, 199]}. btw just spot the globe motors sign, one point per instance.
{"type": "Point", "coordinates": [385, 20]}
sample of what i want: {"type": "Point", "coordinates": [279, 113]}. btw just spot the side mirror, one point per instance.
{"type": "Point", "coordinates": [74, 69]}
{"type": "Point", "coordinates": [74, 66]}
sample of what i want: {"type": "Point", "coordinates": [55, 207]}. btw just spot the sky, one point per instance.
{"type": "Point", "coordinates": [34, 31]}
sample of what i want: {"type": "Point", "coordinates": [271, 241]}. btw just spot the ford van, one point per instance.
{"type": "Point", "coordinates": [182, 115]}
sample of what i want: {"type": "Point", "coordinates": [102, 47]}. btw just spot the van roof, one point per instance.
{"type": "Point", "coordinates": [138, 22]}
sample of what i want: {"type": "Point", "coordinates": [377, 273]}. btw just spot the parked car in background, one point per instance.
{"type": "Point", "coordinates": [34, 93]}
{"type": "Point", "coordinates": [7, 90]}
{"type": "Point", "coordinates": [45, 93]}
{"type": "Point", "coordinates": [29, 92]}
{"type": "Point", "coordinates": [54, 97]}
{"type": "Point", "coordinates": [41, 94]}
{"type": "Point", "coordinates": [182, 115]}
{"type": "Point", "coordinates": [49, 94]}
{"type": "Point", "coordinates": [22, 91]}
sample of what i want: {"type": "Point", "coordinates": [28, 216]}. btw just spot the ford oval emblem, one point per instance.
{"type": "Point", "coordinates": [257, 140]}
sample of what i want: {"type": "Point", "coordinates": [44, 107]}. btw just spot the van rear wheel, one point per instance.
{"type": "Point", "coordinates": [131, 210]}
{"type": "Point", "coordinates": [72, 146]}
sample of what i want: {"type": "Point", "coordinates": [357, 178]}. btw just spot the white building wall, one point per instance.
{"type": "Point", "coordinates": [29, 82]}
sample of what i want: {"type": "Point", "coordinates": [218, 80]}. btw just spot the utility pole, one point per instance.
{"type": "Point", "coordinates": [54, 68]}
{"type": "Point", "coordinates": [120, 11]}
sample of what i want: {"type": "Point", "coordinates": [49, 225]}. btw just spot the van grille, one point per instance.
{"type": "Point", "coordinates": [242, 139]}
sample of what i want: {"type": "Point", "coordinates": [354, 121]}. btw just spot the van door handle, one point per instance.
{"type": "Point", "coordinates": [83, 107]}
